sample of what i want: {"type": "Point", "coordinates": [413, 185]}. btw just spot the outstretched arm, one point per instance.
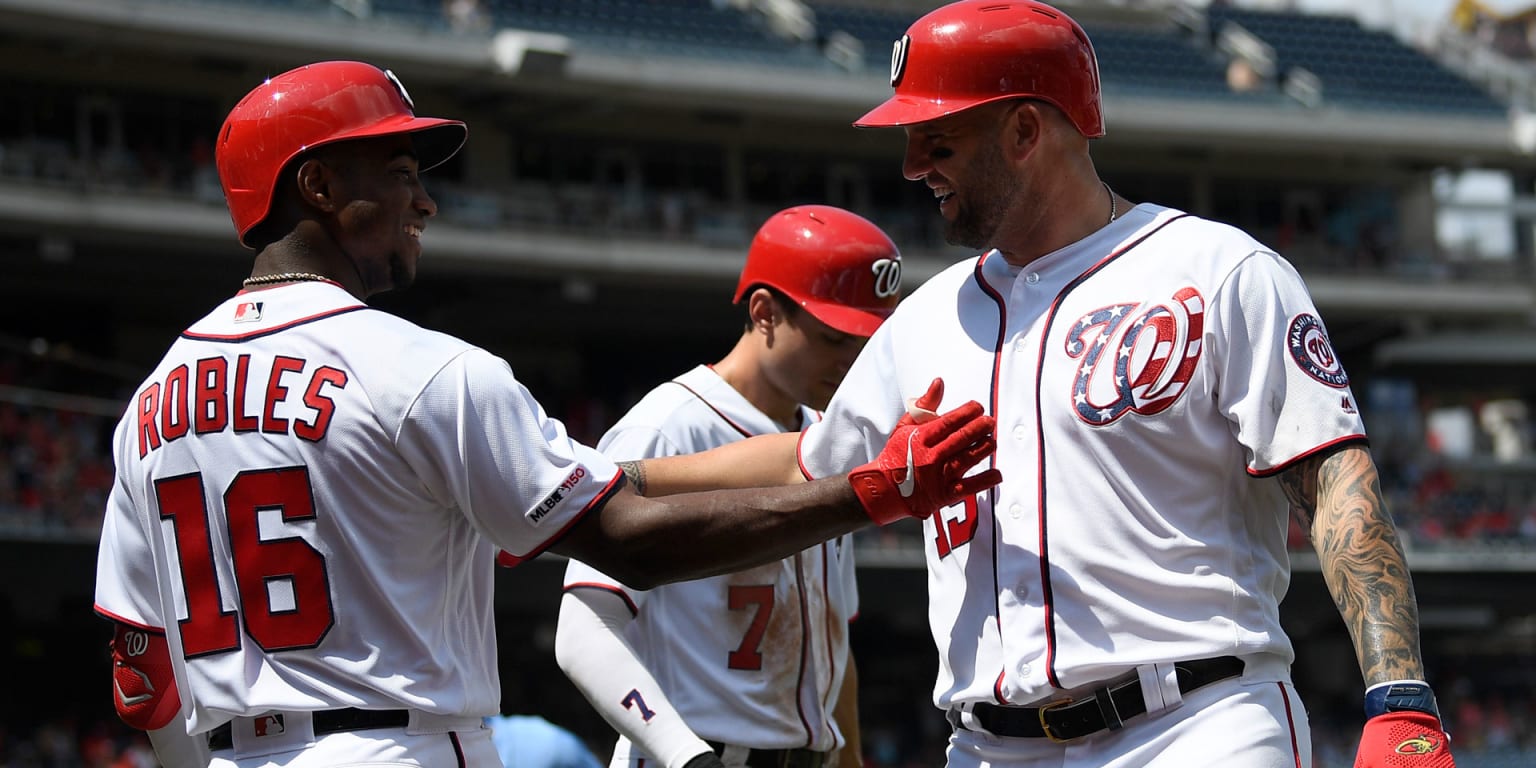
{"type": "Point", "coordinates": [645, 542]}
{"type": "Point", "coordinates": [1336, 498]}
{"type": "Point", "coordinates": [756, 462]}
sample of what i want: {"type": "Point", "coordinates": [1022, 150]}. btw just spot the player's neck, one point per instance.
{"type": "Point", "coordinates": [1065, 220]}
{"type": "Point", "coordinates": [741, 370]}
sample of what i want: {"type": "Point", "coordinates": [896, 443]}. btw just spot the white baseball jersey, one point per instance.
{"type": "Point", "coordinates": [310, 496]}
{"type": "Point", "coordinates": [1147, 382]}
{"type": "Point", "coordinates": [754, 658]}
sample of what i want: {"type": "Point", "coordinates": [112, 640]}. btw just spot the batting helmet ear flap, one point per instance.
{"type": "Point", "coordinates": [974, 52]}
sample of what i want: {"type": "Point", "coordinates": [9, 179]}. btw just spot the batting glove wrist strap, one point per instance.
{"type": "Point", "coordinates": [1398, 696]}
{"type": "Point", "coordinates": [1403, 728]}
{"type": "Point", "coordinates": [923, 466]}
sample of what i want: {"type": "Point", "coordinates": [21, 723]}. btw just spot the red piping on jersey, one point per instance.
{"type": "Point", "coordinates": [1287, 464]}
{"type": "Point", "coordinates": [711, 406]}
{"type": "Point", "coordinates": [997, 370]}
{"type": "Point", "coordinates": [458, 749]}
{"type": "Point", "coordinates": [805, 649]}
{"type": "Point", "coordinates": [609, 588]}
{"type": "Point", "coordinates": [243, 337]}
{"type": "Point", "coordinates": [510, 560]}
{"type": "Point", "coordinates": [1290, 725]}
{"type": "Point", "coordinates": [106, 614]}
{"type": "Point", "coordinates": [1045, 335]}
{"type": "Point", "coordinates": [799, 462]}
{"type": "Point", "coordinates": [826, 602]}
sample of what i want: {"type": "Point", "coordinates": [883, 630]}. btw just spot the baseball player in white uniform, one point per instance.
{"type": "Point", "coordinates": [1165, 391]}
{"type": "Point", "coordinates": [298, 550]}
{"type": "Point", "coordinates": [751, 665]}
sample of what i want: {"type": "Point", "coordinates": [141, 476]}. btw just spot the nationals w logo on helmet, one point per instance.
{"type": "Point", "coordinates": [887, 277]}
{"type": "Point", "coordinates": [899, 58]}
{"type": "Point", "coordinates": [399, 86]}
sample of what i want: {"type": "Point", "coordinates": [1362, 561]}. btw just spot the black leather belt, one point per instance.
{"type": "Point", "coordinates": [329, 721]}
{"type": "Point", "coordinates": [778, 758]}
{"type": "Point", "coordinates": [1106, 708]}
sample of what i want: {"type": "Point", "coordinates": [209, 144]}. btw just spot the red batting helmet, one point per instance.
{"type": "Point", "coordinates": [976, 52]}
{"type": "Point", "coordinates": [308, 107]}
{"type": "Point", "coordinates": [842, 268]}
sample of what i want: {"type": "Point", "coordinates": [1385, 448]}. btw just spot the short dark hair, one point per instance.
{"type": "Point", "coordinates": [788, 306]}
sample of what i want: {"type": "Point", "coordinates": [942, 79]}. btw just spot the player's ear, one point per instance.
{"type": "Point", "coordinates": [1025, 122]}
{"type": "Point", "coordinates": [763, 311]}
{"type": "Point", "coordinates": [314, 179]}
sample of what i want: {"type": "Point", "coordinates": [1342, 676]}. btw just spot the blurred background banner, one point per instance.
{"type": "Point", "coordinates": [621, 154]}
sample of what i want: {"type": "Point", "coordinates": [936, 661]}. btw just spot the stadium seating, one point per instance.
{"type": "Point", "coordinates": [1358, 67]}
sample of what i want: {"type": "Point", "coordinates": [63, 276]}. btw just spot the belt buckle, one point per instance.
{"type": "Point", "coordinates": [1045, 727]}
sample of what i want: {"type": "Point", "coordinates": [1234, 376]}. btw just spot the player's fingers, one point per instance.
{"type": "Point", "coordinates": [973, 454]}
{"type": "Point", "coordinates": [926, 407]}
{"type": "Point", "coordinates": [970, 486]}
{"type": "Point", "coordinates": [960, 428]}
{"type": "Point", "coordinates": [951, 422]}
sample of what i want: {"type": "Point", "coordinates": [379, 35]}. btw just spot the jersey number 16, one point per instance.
{"type": "Point", "coordinates": [260, 565]}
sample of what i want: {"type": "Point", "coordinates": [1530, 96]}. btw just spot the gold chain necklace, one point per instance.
{"type": "Point", "coordinates": [286, 277]}
{"type": "Point", "coordinates": [1113, 211]}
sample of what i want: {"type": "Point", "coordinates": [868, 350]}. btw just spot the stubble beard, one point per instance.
{"type": "Point", "coordinates": [976, 223]}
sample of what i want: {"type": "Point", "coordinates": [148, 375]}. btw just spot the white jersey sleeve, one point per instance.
{"type": "Point", "coordinates": [1282, 384]}
{"type": "Point", "coordinates": [501, 437]}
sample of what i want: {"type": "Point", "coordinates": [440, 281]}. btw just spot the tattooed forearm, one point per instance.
{"type": "Point", "coordinates": [635, 471]}
{"type": "Point", "coordinates": [1338, 499]}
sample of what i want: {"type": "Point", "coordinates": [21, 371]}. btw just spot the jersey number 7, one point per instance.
{"type": "Point", "coordinates": [284, 569]}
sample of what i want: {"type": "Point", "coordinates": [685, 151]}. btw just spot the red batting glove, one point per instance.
{"type": "Point", "coordinates": [1403, 729]}
{"type": "Point", "coordinates": [923, 466]}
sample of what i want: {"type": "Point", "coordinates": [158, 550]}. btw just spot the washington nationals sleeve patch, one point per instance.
{"type": "Point", "coordinates": [1313, 353]}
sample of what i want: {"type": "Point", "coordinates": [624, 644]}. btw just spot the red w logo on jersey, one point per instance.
{"type": "Point", "coordinates": [1152, 357]}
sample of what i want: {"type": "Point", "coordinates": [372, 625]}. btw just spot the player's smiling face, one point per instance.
{"type": "Point", "coordinates": [961, 159]}
{"type": "Point", "coordinates": [384, 209]}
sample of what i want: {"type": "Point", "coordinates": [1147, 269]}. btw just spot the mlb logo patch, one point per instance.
{"type": "Point", "coordinates": [269, 725]}
{"type": "Point", "coordinates": [248, 312]}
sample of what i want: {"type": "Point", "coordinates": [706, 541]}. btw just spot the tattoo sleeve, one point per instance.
{"type": "Point", "coordinates": [635, 471]}
{"type": "Point", "coordinates": [1336, 497]}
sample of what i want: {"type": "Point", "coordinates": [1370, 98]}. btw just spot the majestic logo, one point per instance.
{"type": "Point", "coordinates": [899, 59]}
{"type": "Point", "coordinates": [248, 312]}
{"type": "Point", "coordinates": [1154, 357]}
{"type": "Point", "coordinates": [270, 725]}
{"type": "Point", "coordinates": [1313, 353]}
{"type": "Point", "coordinates": [536, 515]}
{"type": "Point", "coordinates": [887, 277]}
{"type": "Point", "coordinates": [1423, 744]}
{"type": "Point", "coordinates": [399, 86]}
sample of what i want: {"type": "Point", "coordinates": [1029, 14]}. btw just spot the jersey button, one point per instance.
{"type": "Point", "coordinates": [1024, 669]}
{"type": "Point", "coordinates": [1019, 433]}
{"type": "Point", "coordinates": [1032, 278]}
{"type": "Point", "coordinates": [1016, 511]}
